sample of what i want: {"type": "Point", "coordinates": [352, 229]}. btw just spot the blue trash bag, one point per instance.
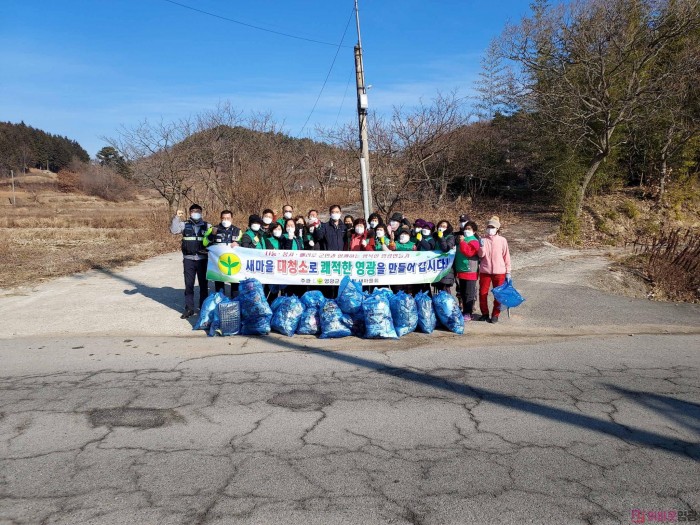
{"type": "Point", "coordinates": [229, 321]}
{"type": "Point", "coordinates": [350, 296]}
{"type": "Point", "coordinates": [448, 312]}
{"type": "Point", "coordinates": [426, 313]}
{"type": "Point", "coordinates": [309, 322]}
{"type": "Point", "coordinates": [404, 313]}
{"type": "Point", "coordinates": [209, 306]}
{"type": "Point", "coordinates": [507, 295]}
{"type": "Point", "coordinates": [255, 312]}
{"type": "Point", "coordinates": [215, 317]}
{"type": "Point", "coordinates": [286, 317]}
{"type": "Point", "coordinates": [334, 323]}
{"type": "Point", "coordinates": [387, 292]}
{"type": "Point", "coordinates": [276, 303]}
{"type": "Point", "coordinates": [313, 299]}
{"type": "Point", "coordinates": [377, 313]}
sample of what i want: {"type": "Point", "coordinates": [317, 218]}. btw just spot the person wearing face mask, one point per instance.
{"type": "Point", "coordinates": [381, 242]}
{"type": "Point", "coordinates": [360, 241]}
{"type": "Point", "coordinates": [349, 221]}
{"type": "Point", "coordinates": [287, 213]}
{"type": "Point", "coordinates": [227, 234]}
{"type": "Point", "coordinates": [194, 255]}
{"type": "Point", "coordinates": [444, 241]}
{"type": "Point", "coordinates": [467, 267]}
{"type": "Point", "coordinates": [332, 233]}
{"type": "Point", "coordinates": [312, 222]}
{"type": "Point", "coordinates": [291, 240]}
{"type": "Point", "coordinates": [268, 217]}
{"type": "Point", "coordinates": [393, 224]}
{"type": "Point", "coordinates": [373, 221]}
{"type": "Point", "coordinates": [404, 244]}
{"type": "Point", "coordinates": [253, 237]}
{"type": "Point", "coordinates": [425, 242]}
{"type": "Point", "coordinates": [463, 220]}
{"type": "Point", "coordinates": [494, 267]}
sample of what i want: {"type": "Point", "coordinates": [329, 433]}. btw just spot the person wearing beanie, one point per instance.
{"type": "Point", "coordinates": [253, 237]}
{"type": "Point", "coordinates": [194, 231]}
{"type": "Point", "coordinates": [467, 267]}
{"type": "Point", "coordinates": [494, 267]}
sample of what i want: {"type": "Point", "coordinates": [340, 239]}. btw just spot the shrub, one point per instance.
{"type": "Point", "coordinates": [630, 209]}
{"type": "Point", "coordinates": [103, 182]}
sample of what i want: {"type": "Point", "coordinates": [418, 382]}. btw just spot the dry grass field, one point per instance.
{"type": "Point", "coordinates": [49, 234]}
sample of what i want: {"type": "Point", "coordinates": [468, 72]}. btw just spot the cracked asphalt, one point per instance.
{"type": "Point", "coordinates": [579, 408]}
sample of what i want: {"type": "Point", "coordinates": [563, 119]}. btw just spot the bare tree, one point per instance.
{"type": "Point", "coordinates": [588, 66]}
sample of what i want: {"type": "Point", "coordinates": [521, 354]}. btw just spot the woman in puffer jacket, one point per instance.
{"type": "Point", "coordinates": [444, 241]}
{"type": "Point", "coordinates": [359, 240]}
{"type": "Point", "coordinates": [494, 267]}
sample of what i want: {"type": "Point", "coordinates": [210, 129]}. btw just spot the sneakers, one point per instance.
{"type": "Point", "coordinates": [483, 318]}
{"type": "Point", "coordinates": [494, 319]}
{"type": "Point", "coordinates": [467, 318]}
{"type": "Point", "coordinates": [189, 312]}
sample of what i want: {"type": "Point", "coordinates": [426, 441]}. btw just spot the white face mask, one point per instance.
{"type": "Point", "coordinates": [468, 233]}
{"type": "Point", "coordinates": [277, 233]}
{"type": "Point", "coordinates": [267, 220]}
{"type": "Point", "coordinates": [394, 225]}
{"type": "Point", "coordinates": [491, 231]}
{"type": "Point", "coordinates": [335, 216]}
{"type": "Point", "coordinates": [255, 227]}
{"type": "Point", "coordinates": [380, 233]}
{"type": "Point", "coordinates": [442, 230]}
{"type": "Point", "coordinates": [359, 230]}
{"type": "Point", "coordinates": [425, 231]}
{"type": "Point", "coordinates": [287, 214]}
{"type": "Point", "coordinates": [226, 224]}
{"type": "Point", "coordinates": [373, 224]}
{"type": "Point", "coordinates": [404, 239]}
{"type": "Point", "coordinates": [290, 231]}
{"type": "Point", "coordinates": [196, 216]}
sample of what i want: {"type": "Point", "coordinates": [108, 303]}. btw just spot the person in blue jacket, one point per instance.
{"type": "Point", "coordinates": [331, 234]}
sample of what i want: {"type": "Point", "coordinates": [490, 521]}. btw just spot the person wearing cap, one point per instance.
{"type": "Point", "coordinates": [194, 255]}
{"type": "Point", "coordinates": [463, 220]}
{"type": "Point", "coordinates": [394, 222]}
{"type": "Point", "coordinates": [494, 267]}
{"type": "Point", "coordinates": [253, 237]}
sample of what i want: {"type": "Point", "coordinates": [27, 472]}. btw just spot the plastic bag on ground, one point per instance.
{"type": "Point", "coordinates": [215, 317]}
{"type": "Point", "coordinates": [377, 314]}
{"type": "Point", "coordinates": [309, 322]}
{"type": "Point", "coordinates": [426, 313]}
{"type": "Point", "coordinates": [404, 313]}
{"type": "Point", "coordinates": [448, 312]}
{"type": "Point", "coordinates": [209, 306]}
{"type": "Point", "coordinates": [350, 296]}
{"type": "Point", "coordinates": [286, 317]}
{"type": "Point", "coordinates": [507, 295]}
{"type": "Point", "coordinates": [255, 312]}
{"type": "Point", "coordinates": [313, 299]}
{"type": "Point", "coordinates": [334, 323]}
{"type": "Point", "coordinates": [229, 318]}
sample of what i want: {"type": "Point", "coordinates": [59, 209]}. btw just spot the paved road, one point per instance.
{"type": "Point", "coordinates": [578, 409]}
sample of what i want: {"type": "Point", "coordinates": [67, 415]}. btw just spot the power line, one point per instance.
{"type": "Point", "coordinates": [347, 86]}
{"type": "Point", "coordinates": [251, 25]}
{"type": "Point", "coordinates": [340, 45]}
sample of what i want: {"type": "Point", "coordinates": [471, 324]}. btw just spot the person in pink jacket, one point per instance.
{"type": "Point", "coordinates": [494, 267]}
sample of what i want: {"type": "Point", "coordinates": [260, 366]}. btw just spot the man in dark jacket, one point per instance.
{"type": "Point", "coordinates": [331, 234]}
{"type": "Point", "coordinates": [194, 255]}
{"type": "Point", "coordinates": [229, 235]}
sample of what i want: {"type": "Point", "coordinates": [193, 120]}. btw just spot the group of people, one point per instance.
{"type": "Point", "coordinates": [482, 261]}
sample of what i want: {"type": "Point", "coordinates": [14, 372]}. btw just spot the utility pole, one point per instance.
{"type": "Point", "coordinates": [14, 199]}
{"type": "Point", "coordinates": [362, 119]}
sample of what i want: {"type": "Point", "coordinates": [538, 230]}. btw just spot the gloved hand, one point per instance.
{"type": "Point", "coordinates": [311, 243]}
{"type": "Point", "coordinates": [508, 278]}
{"type": "Point", "coordinates": [439, 234]}
{"type": "Point", "coordinates": [419, 236]}
{"type": "Point", "coordinates": [364, 242]}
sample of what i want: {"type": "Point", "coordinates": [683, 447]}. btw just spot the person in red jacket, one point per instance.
{"type": "Point", "coordinates": [494, 267]}
{"type": "Point", "coordinates": [467, 267]}
{"type": "Point", "coordinates": [359, 240]}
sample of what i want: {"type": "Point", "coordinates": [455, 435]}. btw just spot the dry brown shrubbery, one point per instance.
{"type": "Point", "coordinates": [98, 181]}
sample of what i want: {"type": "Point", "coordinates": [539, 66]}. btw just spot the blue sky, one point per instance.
{"type": "Point", "coordinates": [83, 68]}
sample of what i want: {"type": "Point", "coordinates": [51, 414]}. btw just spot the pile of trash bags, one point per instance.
{"type": "Point", "coordinates": [377, 315]}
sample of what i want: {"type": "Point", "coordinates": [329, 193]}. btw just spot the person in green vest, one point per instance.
{"type": "Point", "coordinates": [404, 243]}
{"type": "Point", "coordinates": [467, 267]}
{"type": "Point", "coordinates": [381, 242]}
{"type": "Point", "coordinates": [290, 239]}
{"type": "Point", "coordinates": [444, 242]}
{"type": "Point", "coordinates": [253, 238]}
